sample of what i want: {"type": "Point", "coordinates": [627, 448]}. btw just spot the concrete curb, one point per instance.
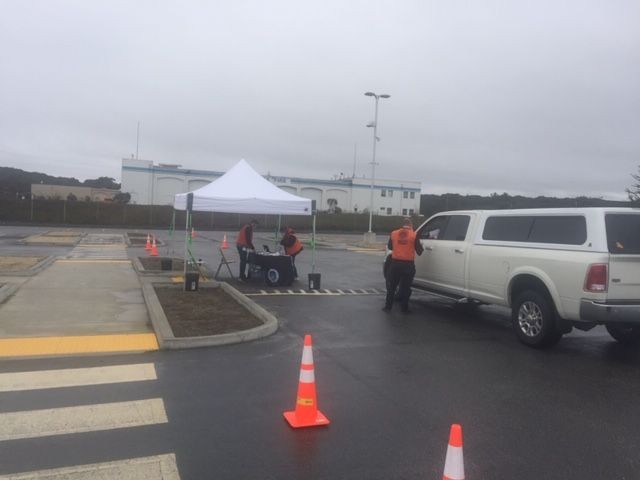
{"type": "Point", "coordinates": [7, 290]}
{"type": "Point", "coordinates": [168, 341]}
{"type": "Point", "coordinates": [31, 271]}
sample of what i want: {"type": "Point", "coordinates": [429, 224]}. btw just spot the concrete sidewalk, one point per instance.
{"type": "Point", "coordinates": [77, 305]}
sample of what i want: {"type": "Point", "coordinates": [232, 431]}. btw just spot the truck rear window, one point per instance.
{"type": "Point", "coordinates": [623, 233]}
{"type": "Point", "coordinates": [565, 230]}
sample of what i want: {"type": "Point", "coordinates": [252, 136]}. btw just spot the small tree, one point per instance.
{"type": "Point", "coordinates": [634, 190]}
{"type": "Point", "coordinates": [102, 182]}
{"type": "Point", "coordinates": [71, 198]}
{"type": "Point", "coordinates": [122, 198]}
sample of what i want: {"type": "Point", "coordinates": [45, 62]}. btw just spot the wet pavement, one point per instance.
{"type": "Point", "coordinates": [391, 385]}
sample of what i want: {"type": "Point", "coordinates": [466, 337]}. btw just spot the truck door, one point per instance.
{"type": "Point", "coordinates": [443, 266]}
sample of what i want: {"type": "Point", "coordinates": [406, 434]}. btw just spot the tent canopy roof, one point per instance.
{"type": "Point", "coordinates": [243, 190]}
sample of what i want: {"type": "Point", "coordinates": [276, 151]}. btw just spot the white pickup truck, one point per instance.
{"type": "Point", "coordinates": [555, 268]}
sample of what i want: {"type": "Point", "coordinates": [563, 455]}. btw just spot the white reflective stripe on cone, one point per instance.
{"type": "Point", "coordinates": [307, 376]}
{"type": "Point", "coordinates": [454, 464]}
{"type": "Point", "coordinates": [307, 356]}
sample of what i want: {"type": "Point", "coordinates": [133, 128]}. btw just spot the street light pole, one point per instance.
{"type": "Point", "coordinates": [370, 235]}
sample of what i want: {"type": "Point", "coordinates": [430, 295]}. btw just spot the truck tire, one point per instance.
{"type": "Point", "coordinates": [272, 277]}
{"type": "Point", "coordinates": [534, 319]}
{"type": "Point", "coordinates": [625, 334]}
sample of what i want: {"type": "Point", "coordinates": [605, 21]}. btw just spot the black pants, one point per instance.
{"type": "Point", "coordinates": [293, 264]}
{"type": "Point", "coordinates": [243, 262]}
{"type": "Point", "coordinates": [401, 273]}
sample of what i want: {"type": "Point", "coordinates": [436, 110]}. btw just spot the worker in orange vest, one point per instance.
{"type": "Point", "coordinates": [404, 244]}
{"type": "Point", "coordinates": [244, 243]}
{"type": "Point", "coordinates": [292, 246]}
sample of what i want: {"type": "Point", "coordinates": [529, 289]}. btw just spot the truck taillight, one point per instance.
{"type": "Point", "coordinates": [597, 278]}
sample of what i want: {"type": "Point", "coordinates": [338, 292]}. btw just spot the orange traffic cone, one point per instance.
{"type": "Point", "coordinates": [225, 244]}
{"type": "Point", "coordinates": [193, 233]}
{"type": "Point", "coordinates": [454, 463]}
{"type": "Point", "coordinates": [306, 413]}
{"type": "Point", "coordinates": [147, 247]}
{"type": "Point", "coordinates": [154, 248]}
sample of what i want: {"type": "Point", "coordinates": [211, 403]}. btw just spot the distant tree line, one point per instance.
{"type": "Point", "coordinates": [431, 204]}
{"type": "Point", "coordinates": [16, 183]}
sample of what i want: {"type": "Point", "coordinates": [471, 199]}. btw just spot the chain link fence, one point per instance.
{"type": "Point", "coordinates": [64, 212]}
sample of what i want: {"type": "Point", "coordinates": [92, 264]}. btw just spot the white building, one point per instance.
{"type": "Point", "coordinates": [157, 184]}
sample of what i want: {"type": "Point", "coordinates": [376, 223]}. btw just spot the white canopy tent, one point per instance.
{"type": "Point", "coordinates": [243, 190]}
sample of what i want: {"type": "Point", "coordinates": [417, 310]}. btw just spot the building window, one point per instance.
{"type": "Point", "coordinates": [411, 211]}
{"type": "Point", "coordinates": [382, 208]}
{"type": "Point", "coordinates": [405, 194]}
{"type": "Point", "coordinates": [383, 193]}
{"type": "Point", "coordinates": [413, 195]}
{"type": "Point", "coordinates": [391, 193]}
{"type": "Point", "coordinates": [404, 211]}
{"type": "Point", "coordinates": [388, 211]}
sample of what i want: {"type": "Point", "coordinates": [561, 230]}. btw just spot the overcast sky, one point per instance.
{"type": "Point", "coordinates": [532, 97]}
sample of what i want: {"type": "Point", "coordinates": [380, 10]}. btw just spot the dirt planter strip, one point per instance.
{"type": "Point", "coordinates": [151, 266]}
{"type": "Point", "coordinates": [12, 266]}
{"type": "Point", "coordinates": [167, 339]}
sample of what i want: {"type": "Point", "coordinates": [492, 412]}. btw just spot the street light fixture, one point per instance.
{"type": "Point", "coordinates": [369, 236]}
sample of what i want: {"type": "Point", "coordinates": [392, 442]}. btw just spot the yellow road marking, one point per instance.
{"type": "Point", "coordinates": [100, 245]}
{"type": "Point", "coordinates": [26, 347]}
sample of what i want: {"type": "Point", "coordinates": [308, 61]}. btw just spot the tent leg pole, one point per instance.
{"type": "Point", "coordinates": [275, 241]}
{"type": "Point", "coordinates": [186, 242]}
{"type": "Point", "coordinates": [313, 250]}
{"type": "Point", "coordinates": [173, 228]}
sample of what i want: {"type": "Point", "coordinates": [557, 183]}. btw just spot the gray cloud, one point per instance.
{"type": "Point", "coordinates": [524, 97]}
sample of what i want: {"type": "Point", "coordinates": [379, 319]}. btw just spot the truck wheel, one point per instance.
{"type": "Point", "coordinates": [625, 334]}
{"type": "Point", "coordinates": [534, 320]}
{"type": "Point", "coordinates": [272, 277]}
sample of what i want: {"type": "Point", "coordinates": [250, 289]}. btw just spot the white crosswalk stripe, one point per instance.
{"type": "Point", "coordinates": [80, 419]}
{"type": "Point", "coordinates": [74, 377]}
{"type": "Point", "coordinates": [158, 467]}
{"type": "Point", "coordinates": [85, 418]}
{"type": "Point", "coordinates": [98, 246]}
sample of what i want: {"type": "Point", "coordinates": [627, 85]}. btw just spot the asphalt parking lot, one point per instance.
{"type": "Point", "coordinates": [391, 385]}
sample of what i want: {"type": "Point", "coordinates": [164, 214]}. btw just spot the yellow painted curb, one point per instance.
{"type": "Point", "coordinates": [101, 245]}
{"type": "Point", "coordinates": [93, 261]}
{"type": "Point", "coordinates": [27, 347]}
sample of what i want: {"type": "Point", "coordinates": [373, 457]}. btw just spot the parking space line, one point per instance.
{"type": "Point", "coordinates": [74, 377]}
{"type": "Point", "coordinates": [159, 467]}
{"type": "Point", "coordinates": [80, 419]}
{"type": "Point", "coordinates": [323, 292]}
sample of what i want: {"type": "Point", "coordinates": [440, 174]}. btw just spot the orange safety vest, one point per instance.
{"type": "Point", "coordinates": [403, 242]}
{"type": "Point", "coordinates": [296, 247]}
{"type": "Point", "coordinates": [242, 236]}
